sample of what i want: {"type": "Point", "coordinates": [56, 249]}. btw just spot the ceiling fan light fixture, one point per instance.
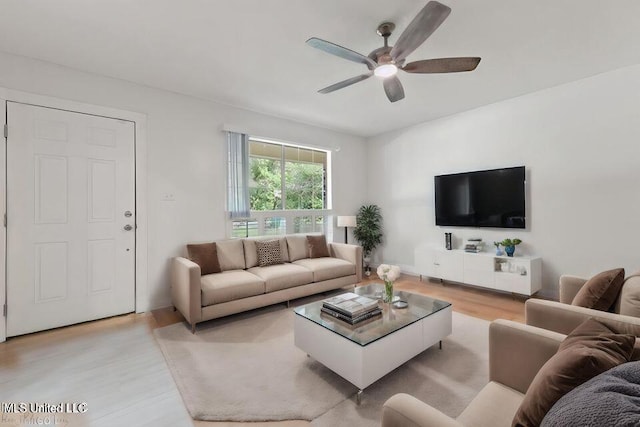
{"type": "Point", "coordinates": [385, 70]}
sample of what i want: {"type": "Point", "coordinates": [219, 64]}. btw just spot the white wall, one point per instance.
{"type": "Point", "coordinates": [580, 143]}
{"type": "Point", "coordinates": [186, 154]}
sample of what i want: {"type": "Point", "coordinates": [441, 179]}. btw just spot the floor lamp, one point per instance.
{"type": "Point", "coordinates": [346, 222]}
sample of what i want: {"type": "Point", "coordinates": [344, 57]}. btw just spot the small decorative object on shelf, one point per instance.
{"type": "Point", "coordinates": [498, 250]}
{"type": "Point", "coordinates": [388, 273]}
{"type": "Point", "coordinates": [510, 245]}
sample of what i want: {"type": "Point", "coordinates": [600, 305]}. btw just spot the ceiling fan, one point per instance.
{"type": "Point", "coordinates": [385, 61]}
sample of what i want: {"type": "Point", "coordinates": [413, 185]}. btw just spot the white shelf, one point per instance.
{"type": "Point", "coordinates": [523, 274]}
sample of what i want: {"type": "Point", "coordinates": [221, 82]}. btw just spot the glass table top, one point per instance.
{"type": "Point", "coordinates": [392, 318]}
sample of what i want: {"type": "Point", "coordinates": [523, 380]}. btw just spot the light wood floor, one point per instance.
{"type": "Point", "coordinates": [116, 366]}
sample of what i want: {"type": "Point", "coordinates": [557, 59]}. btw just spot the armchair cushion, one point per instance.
{"type": "Point", "coordinates": [403, 410]}
{"type": "Point", "coordinates": [589, 350]}
{"type": "Point", "coordinates": [601, 291]}
{"type": "Point", "coordinates": [629, 299]}
{"type": "Point", "coordinates": [494, 406]}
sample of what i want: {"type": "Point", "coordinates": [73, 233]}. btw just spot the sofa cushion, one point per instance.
{"type": "Point", "coordinates": [297, 245]}
{"type": "Point", "coordinates": [492, 406]}
{"type": "Point", "coordinates": [327, 268]}
{"type": "Point", "coordinates": [206, 256]}
{"type": "Point", "coordinates": [628, 302]}
{"type": "Point", "coordinates": [268, 252]}
{"type": "Point", "coordinates": [600, 292]}
{"type": "Point", "coordinates": [587, 351]}
{"type": "Point", "coordinates": [251, 251]}
{"type": "Point", "coordinates": [231, 254]}
{"type": "Point", "coordinates": [229, 286]}
{"type": "Point", "coordinates": [283, 276]}
{"type": "Point", "coordinates": [317, 246]}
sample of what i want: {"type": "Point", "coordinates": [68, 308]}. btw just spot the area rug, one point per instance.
{"type": "Point", "coordinates": [247, 368]}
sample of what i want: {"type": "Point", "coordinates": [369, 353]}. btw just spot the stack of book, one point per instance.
{"type": "Point", "coordinates": [351, 308]}
{"type": "Point", "coordinates": [473, 245]}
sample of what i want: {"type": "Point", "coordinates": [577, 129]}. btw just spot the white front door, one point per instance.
{"type": "Point", "coordinates": [70, 218]}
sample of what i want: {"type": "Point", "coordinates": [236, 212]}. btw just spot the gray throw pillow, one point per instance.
{"type": "Point", "coordinates": [610, 399]}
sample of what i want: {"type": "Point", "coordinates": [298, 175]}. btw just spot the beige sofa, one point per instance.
{"type": "Point", "coordinates": [516, 353]}
{"type": "Point", "coordinates": [244, 285]}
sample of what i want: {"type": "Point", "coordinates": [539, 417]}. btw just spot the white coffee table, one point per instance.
{"type": "Point", "coordinates": [364, 354]}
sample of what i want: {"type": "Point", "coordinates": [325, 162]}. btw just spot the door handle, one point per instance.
{"type": "Point", "coordinates": [128, 227]}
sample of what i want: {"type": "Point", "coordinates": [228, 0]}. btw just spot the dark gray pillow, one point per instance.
{"type": "Point", "coordinates": [609, 399]}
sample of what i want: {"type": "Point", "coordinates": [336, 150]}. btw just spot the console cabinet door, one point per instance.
{"type": "Point", "coordinates": [478, 270]}
{"type": "Point", "coordinates": [439, 263]}
{"type": "Point", "coordinates": [448, 265]}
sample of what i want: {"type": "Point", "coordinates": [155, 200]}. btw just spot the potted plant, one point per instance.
{"type": "Point", "coordinates": [510, 245]}
{"type": "Point", "coordinates": [368, 231]}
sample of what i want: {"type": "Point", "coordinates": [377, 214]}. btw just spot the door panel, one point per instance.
{"type": "Point", "coordinates": [70, 178]}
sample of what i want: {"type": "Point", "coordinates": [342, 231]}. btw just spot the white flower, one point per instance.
{"type": "Point", "coordinates": [388, 273]}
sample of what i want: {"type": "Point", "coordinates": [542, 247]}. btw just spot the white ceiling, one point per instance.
{"type": "Point", "coordinates": [252, 53]}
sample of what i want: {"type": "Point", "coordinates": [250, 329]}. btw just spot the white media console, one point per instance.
{"type": "Point", "coordinates": [517, 274]}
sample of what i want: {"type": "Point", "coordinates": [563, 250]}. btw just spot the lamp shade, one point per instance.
{"type": "Point", "coordinates": [347, 221]}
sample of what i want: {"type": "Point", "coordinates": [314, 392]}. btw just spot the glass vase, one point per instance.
{"type": "Point", "coordinates": [388, 292]}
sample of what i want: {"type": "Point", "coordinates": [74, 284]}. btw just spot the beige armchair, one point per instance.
{"type": "Point", "coordinates": [563, 317]}
{"type": "Point", "coordinates": [628, 302]}
{"type": "Point", "coordinates": [516, 353]}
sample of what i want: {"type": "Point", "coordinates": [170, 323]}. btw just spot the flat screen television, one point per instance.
{"type": "Point", "coordinates": [490, 198]}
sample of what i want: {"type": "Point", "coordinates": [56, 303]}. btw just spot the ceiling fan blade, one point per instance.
{"type": "Point", "coordinates": [342, 52]}
{"type": "Point", "coordinates": [422, 26]}
{"type": "Point", "coordinates": [393, 88]}
{"type": "Point", "coordinates": [442, 65]}
{"type": "Point", "coordinates": [345, 83]}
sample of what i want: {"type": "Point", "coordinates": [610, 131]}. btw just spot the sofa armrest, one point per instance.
{"type": "Point", "coordinates": [517, 352]}
{"type": "Point", "coordinates": [403, 410]}
{"type": "Point", "coordinates": [569, 287]}
{"type": "Point", "coordinates": [564, 318]}
{"type": "Point", "coordinates": [186, 289]}
{"type": "Point", "coordinates": [351, 253]}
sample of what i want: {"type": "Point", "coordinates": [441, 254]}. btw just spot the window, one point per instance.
{"type": "Point", "coordinates": [288, 190]}
{"type": "Point", "coordinates": [286, 177]}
